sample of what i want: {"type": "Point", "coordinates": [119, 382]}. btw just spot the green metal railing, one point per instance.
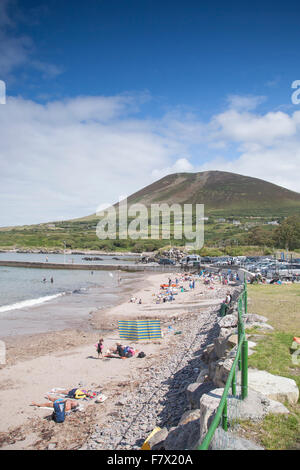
{"type": "Point", "coordinates": [240, 362]}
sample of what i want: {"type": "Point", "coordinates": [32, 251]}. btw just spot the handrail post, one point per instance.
{"type": "Point", "coordinates": [240, 331]}
{"type": "Point", "coordinates": [224, 417]}
{"type": "Point", "coordinates": [233, 384]}
{"type": "Point", "coordinates": [244, 369]}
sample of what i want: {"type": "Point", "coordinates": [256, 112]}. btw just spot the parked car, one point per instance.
{"type": "Point", "coordinates": [190, 260]}
{"type": "Point", "coordinates": [166, 261]}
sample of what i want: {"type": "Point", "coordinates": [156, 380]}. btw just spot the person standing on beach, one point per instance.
{"type": "Point", "coordinates": [100, 347]}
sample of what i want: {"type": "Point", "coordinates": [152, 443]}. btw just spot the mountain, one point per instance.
{"type": "Point", "coordinates": [222, 193]}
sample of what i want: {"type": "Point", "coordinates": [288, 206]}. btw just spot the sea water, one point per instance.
{"type": "Point", "coordinates": [31, 303]}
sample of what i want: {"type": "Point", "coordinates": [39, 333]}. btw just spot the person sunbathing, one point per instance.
{"type": "Point", "coordinates": [70, 404]}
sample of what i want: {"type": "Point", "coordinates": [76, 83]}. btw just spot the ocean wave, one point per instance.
{"type": "Point", "coordinates": [29, 303]}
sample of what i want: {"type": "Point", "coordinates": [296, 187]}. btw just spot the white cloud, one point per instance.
{"type": "Point", "coordinates": [248, 103]}
{"type": "Point", "coordinates": [65, 158]}
{"type": "Point", "coordinates": [70, 156]}
{"type": "Point", "coordinates": [182, 165]}
{"type": "Point", "coordinates": [248, 127]}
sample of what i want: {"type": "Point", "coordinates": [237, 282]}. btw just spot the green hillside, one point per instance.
{"type": "Point", "coordinates": [222, 193]}
{"type": "Point", "coordinates": [228, 198]}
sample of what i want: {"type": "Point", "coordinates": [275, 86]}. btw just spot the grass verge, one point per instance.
{"type": "Point", "coordinates": [281, 305]}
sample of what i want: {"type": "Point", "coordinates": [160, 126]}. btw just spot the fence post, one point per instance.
{"type": "Point", "coordinates": [233, 384]}
{"type": "Point", "coordinates": [240, 330]}
{"type": "Point", "coordinates": [244, 369]}
{"type": "Point", "coordinates": [224, 417]}
{"type": "Point", "coordinates": [245, 295]}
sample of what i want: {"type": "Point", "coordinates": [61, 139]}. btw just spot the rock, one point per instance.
{"type": "Point", "coordinates": [195, 391]}
{"type": "Point", "coordinates": [203, 374]}
{"type": "Point", "coordinates": [229, 321]}
{"type": "Point", "coordinates": [122, 402]}
{"type": "Point", "coordinates": [275, 407]}
{"type": "Point", "coordinates": [273, 386]}
{"type": "Point", "coordinates": [254, 407]}
{"type": "Point", "coordinates": [189, 416]}
{"type": "Point", "coordinates": [158, 439]}
{"type": "Point", "coordinates": [209, 403]}
{"type": "Point", "coordinates": [221, 347]}
{"type": "Point", "coordinates": [209, 353]}
{"type": "Point", "coordinates": [219, 371]}
{"type": "Point", "coordinates": [183, 437]}
{"type": "Point", "coordinates": [226, 332]}
{"type": "Point", "coordinates": [263, 326]}
{"type": "Point", "coordinates": [253, 317]}
{"type": "Point", "coordinates": [232, 441]}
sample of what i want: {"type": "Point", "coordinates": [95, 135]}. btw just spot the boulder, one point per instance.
{"type": "Point", "coordinates": [195, 391]}
{"type": "Point", "coordinates": [209, 403]}
{"type": "Point", "coordinates": [226, 332]}
{"type": "Point", "coordinates": [221, 347]}
{"type": "Point", "coordinates": [229, 321]}
{"type": "Point", "coordinates": [262, 326]}
{"type": "Point", "coordinates": [219, 371]}
{"type": "Point", "coordinates": [189, 416]}
{"type": "Point", "coordinates": [203, 374]}
{"type": "Point", "coordinates": [183, 437]}
{"type": "Point", "coordinates": [233, 341]}
{"type": "Point", "coordinates": [253, 317]}
{"type": "Point", "coordinates": [275, 407]}
{"type": "Point", "coordinates": [158, 439]}
{"type": "Point", "coordinates": [209, 354]}
{"type": "Point", "coordinates": [255, 407]}
{"type": "Point", "coordinates": [223, 440]}
{"type": "Point", "coordinates": [273, 386]}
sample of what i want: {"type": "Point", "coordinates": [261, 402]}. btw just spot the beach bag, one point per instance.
{"type": "Point", "coordinates": [59, 413]}
{"type": "Point", "coordinates": [141, 354]}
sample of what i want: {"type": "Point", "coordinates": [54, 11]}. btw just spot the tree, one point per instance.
{"type": "Point", "coordinates": [260, 237]}
{"type": "Point", "coordinates": [287, 235]}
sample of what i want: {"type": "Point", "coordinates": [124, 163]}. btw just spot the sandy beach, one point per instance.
{"type": "Point", "coordinates": [39, 363]}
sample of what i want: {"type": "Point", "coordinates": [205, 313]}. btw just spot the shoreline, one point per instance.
{"type": "Point", "coordinates": [31, 344]}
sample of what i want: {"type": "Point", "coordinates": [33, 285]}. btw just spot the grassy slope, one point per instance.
{"type": "Point", "coordinates": [281, 305]}
{"type": "Point", "coordinates": [223, 194]}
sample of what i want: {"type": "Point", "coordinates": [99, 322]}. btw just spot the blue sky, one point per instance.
{"type": "Point", "coordinates": [184, 53]}
{"type": "Point", "coordinates": [124, 92]}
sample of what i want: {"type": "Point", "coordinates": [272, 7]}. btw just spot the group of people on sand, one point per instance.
{"type": "Point", "coordinates": [169, 290]}
{"type": "Point", "coordinates": [70, 401]}
{"type": "Point", "coordinates": [71, 398]}
{"type": "Point", "coordinates": [135, 300]}
{"type": "Point", "coordinates": [118, 351]}
{"type": "Point", "coordinates": [173, 287]}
